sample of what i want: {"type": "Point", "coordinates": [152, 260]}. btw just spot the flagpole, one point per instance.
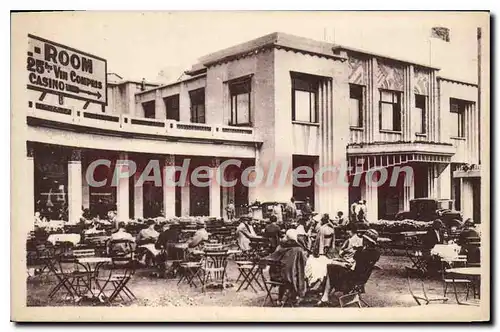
{"type": "Point", "coordinates": [430, 51]}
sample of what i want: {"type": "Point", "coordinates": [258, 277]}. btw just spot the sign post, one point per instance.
{"type": "Point", "coordinates": [66, 72]}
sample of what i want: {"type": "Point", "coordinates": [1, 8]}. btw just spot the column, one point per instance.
{"type": "Point", "coordinates": [169, 187]}
{"type": "Point", "coordinates": [336, 138]}
{"type": "Point", "coordinates": [228, 193]}
{"type": "Point", "coordinates": [408, 192]}
{"type": "Point", "coordinates": [160, 107]}
{"type": "Point", "coordinates": [29, 188]}
{"type": "Point", "coordinates": [467, 205]}
{"type": "Point", "coordinates": [214, 196]}
{"type": "Point", "coordinates": [138, 197]}
{"type": "Point", "coordinates": [432, 189]}
{"type": "Point", "coordinates": [74, 186]}
{"type": "Point", "coordinates": [185, 196]}
{"type": "Point", "coordinates": [370, 195]}
{"type": "Point", "coordinates": [85, 190]}
{"type": "Point", "coordinates": [444, 181]}
{"type": "Point", "coordinates": [122, 196]}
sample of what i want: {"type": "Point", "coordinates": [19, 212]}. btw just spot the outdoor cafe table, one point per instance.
{"type": "Point", "coordinates": [86, 263]}
{"type": "Point", "coordinates": [96, 263]}
{"type": "Point", "coordinates": [67, 237]}
{"type": "Point", "coordinates": [473, 271]}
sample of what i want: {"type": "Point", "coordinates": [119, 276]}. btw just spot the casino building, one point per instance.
{"type": "Point", "coordinates": [278, 98]}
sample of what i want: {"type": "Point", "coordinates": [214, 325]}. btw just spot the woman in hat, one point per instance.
{"type": "Point", "coordinates": [343, 276]}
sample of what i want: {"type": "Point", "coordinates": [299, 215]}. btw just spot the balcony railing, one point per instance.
{"type": "Point", "coordinates": [145, 126]}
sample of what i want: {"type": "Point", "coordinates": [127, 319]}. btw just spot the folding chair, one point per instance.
{"type": "Point", "coordinates": [448, 279]}
{"type": "Point", "coordinates": [355, 287]}
{"type": "Point", "coordinates": [115, 280]}
{"type": "Point", "coordinates": [118, 273]}
{"type": "Point", "coordinates": [270, 284]}
{"type": "Point", "coordinates": [189, 270]}
{"type": "Point", "coordinates": [72, 277]}
{"type": "Point", "coordinates": [350, 300]}
{"type": "Point", "coordinates": [413, 250]}
{"type": "Point", "coordinates": [474, 302]}
{"type": "Point", "coordinates": [423, 297]}
{"type": "Point", "coordinates": [44, 256]}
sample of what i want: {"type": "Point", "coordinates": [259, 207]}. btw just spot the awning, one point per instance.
{"type": "Point", "coordinates": [361, 164]}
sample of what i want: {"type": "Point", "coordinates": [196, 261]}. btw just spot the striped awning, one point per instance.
{"type": "Point", "coordinates": [363, 163]}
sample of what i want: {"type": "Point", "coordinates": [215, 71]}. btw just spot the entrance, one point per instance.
{"type": "Point", "coordinates": [301, 193]}
{"type": "Point", "coordinates": [199, 200]}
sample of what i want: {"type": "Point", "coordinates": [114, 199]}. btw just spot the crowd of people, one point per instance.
{"type": "Point", "coordinates": [303, 242]}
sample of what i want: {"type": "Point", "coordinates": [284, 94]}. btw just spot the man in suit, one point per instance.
{"type": "Point", "coordinates": [434, 235]}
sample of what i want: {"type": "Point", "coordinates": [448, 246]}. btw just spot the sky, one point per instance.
{"type": "Point", "coordinates": [142, 44]}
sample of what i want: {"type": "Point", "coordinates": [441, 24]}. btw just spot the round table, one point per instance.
{"type": "Point", "coordinates": [466, 271]}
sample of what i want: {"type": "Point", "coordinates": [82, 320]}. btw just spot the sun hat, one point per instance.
{"type": "Point", "coordinates": [371, 235]}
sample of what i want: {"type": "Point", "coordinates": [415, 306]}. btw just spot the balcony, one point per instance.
{"type": "Point", "coordinates": [128, 126]}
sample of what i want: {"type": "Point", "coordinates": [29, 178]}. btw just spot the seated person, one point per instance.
{"type": "Point", "coordinates": [170, 234]}
{"type": "Point", "coordinates": [468, 240]}
{"type": "Point", "coordinates": [340, 219]}
{"type": "Point", "coordinates": [166, 242]}
{"type": "Point", "coordinates": [434, 235]}
{"type": "Point", "coordinates": [149, 234]}
{"type": "Point", "coordinates": [325, 237]}
{"type": "Point", "coordinates": [121, 242]}
{"type": "Point", "coordinates": [200, 236]}
{"type": "Point", "coordinates": [292, 257]}
{"type": "Point", "coordinates": [343, 276]}
{"type": "Point", "coordinates": [272, 232]}
{"type": "Point", "coordinates": [245, 232]}
{"type": "Point", "coordinates": [353, 243]}
{"type": "Point", "coordinates": [93, 229]}
{"type": "Point", "coordinates": [468, 233]}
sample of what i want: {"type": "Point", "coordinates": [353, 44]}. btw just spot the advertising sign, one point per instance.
{"type": "Point", "coordinates": [61, 70]}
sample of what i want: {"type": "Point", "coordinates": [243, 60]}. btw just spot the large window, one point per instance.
{"type": "Point", "coordinates": [149, 109]}
{"type": "Point", "coordinates": [390, 110]}
{"type": "Point", "coordinates": [240, 102]}
{"type": "Point", "coordinates": [197, 105]}
{"type": "Point", "coordinates": [419, 112]}
{"type": "Point", "coordinates": [172, 106]}
{"type": "Point", "coordinates": [355, 105]}
{"type": "Point", "coordinates": [305, 98]}
{"type": "Point", "coordinates": [457, 113]}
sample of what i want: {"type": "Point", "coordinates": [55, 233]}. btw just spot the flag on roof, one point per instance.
{"type": "Point", "coordinates": [441, 33]}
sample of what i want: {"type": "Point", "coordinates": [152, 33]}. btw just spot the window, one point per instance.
{"type": "Point", "coordinates": [149, 109]}
{"type": "Point", "coordinates": [355, 105]}
{"type": "Point", "coordinates": [240, 102]}
{"type": "Point", "coordinates": [418, 116]}
{"type": "Point", "coordinates": [172, 106]}
{"type": "Point", "coordinates": [457, 113]}
{"type": "Point", "coordinates": [197, 105]}
{"type": "Point", "coordinates": [390, 110]}
{"type": "Point", "coordinates": [305, 98]}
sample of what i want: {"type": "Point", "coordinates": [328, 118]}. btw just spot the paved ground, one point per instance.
{"type": "Point", "coordinates": [386, 287]}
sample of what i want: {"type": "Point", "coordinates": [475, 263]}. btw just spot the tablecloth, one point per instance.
{"type": "Point", "coordinates": [73, 238]}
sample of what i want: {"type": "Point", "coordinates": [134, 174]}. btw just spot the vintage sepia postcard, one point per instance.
{"type": "Point", "coordinates": [250, 166]}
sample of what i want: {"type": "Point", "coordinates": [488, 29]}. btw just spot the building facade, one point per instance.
{"type": "Point", "coordinates": [276, 100]}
